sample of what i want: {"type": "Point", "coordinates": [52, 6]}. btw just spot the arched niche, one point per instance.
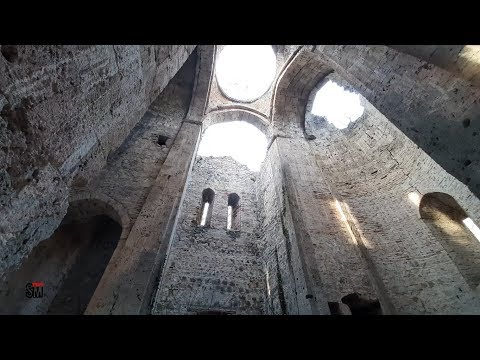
{"type": "Point", "coordinates": [451, 226]}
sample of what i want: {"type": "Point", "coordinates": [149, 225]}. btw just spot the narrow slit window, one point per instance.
{"type": "Point", "coordinates": [208, 196]}
{"type": "Point", "coordinates": [233, 212]}
{"type": "Point", "coordinates": [204, 214]}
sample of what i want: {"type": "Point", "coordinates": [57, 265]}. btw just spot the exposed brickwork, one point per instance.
{"type": "Point", "coordinates": [132, 274]}
{"type": "Point", "coordinates": [463, 60]}
{"type": "Point", "coordinates": [431, 106]}
{"type": "Point", "coordinates": [63, 110]}
{"type": "Point", "coordinates": [288, 291]}
{"type": "Point", "coordinates": [331, 215]}
{"type": "Point", "coordinates": [133, 167]}
{"type": "Point", "coordinates": [210, 268]}
{"type": "Point", "coordinates": [203, 79]}
{"type": "Point", "coordinates": [373, 167]}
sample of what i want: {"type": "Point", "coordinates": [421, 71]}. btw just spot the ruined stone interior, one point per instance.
{"type": "Point", "coordinates": [105, 199]}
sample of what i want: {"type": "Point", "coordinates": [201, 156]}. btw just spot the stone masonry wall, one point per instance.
{"type": "Point", "coordinates": [336, 263]}
{"type": "Point", "coordinates": [372, 167]}
{"type": "Point", "coordinates": [436, 109]}
{"type": "Point", "coordinates": [210, 268]}
{"type": "Point", "coordinates": [133, 167]}
{"type": "Point", "coordinates": [287, 291]}
{"type": "Point", "coordinates": [463, 60]}
{"type": "Point", "coordinates": [63, 110]}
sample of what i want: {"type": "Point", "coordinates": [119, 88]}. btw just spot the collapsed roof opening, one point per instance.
{"type": "Point", "coordinates": [339, 106]}
{"type": "Point", "coordinates": [245, 72]}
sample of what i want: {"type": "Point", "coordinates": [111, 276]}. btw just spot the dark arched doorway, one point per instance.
{"type": "Point", "coordinates": [70, 263]}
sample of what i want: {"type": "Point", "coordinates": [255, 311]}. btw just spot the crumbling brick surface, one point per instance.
{"type": "Point", "coordinates": [63, 110]}
{"type": "Point", "coordinates": [210, 268]}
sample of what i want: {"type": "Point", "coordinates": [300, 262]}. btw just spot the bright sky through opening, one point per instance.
{"type": "Point", "coordinates": [245, 72]}
{"type": "Point", "coordinates": [204, 214]}
{"type": "Point", "coordinates": [238, 139]}
{"type": "Point", "coordinates": [339, 106]}
{"type": "Point", "coordinates": [229, 218]}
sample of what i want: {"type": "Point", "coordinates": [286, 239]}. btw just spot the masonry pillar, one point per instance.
{"type": "Point", "coordinates": [131, 276]}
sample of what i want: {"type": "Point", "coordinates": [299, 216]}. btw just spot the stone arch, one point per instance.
{"type": "Point", "coordinates": [205, 215]}
{"type": "Point", "coordinates": [238, 114]}
{"type": "Point", "coordinates": [233, 213]}
{"type": "Point", "coordinates": [262, 105]}
{"type": "Point", "coordinates": [70, 263]}
{"type": "Point", "coordinates": [295, 84]}
{"type": "Point", "coordinates": [451, 226]}
{"type": "Point", "coordinates": [109, 207]}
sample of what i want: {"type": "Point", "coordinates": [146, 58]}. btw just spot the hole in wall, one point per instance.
{"type": "Point", "coordinates": [205, 216]}
{"type": "Point", "coordinates": [339, 106]}
{"type": "Point", "coordinates": [162, 140]}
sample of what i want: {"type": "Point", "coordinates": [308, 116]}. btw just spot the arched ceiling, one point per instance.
{"type": "Point", "coordinates": [436, 108]}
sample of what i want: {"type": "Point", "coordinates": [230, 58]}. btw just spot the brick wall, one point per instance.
{"type": "Point", "coordinates": [210, 268]}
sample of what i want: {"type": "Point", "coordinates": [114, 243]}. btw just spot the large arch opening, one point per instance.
{"type": "Point", "coordinates": [240, 140]}
{"type": "Point", "coordinates": [456, 232]}
{"type": "Point", "coordinates": [69, 264]}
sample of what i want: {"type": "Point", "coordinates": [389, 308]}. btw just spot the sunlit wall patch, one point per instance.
{"type": "Point", "coordinates": [245, 72]}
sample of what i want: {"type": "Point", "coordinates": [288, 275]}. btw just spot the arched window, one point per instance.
{"type": "Point", "coordinates": [208, 195]}
{"type": "Point", "coordinates": [233, 212]}
{"type": "Point", "coordinates": [455, 231]}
